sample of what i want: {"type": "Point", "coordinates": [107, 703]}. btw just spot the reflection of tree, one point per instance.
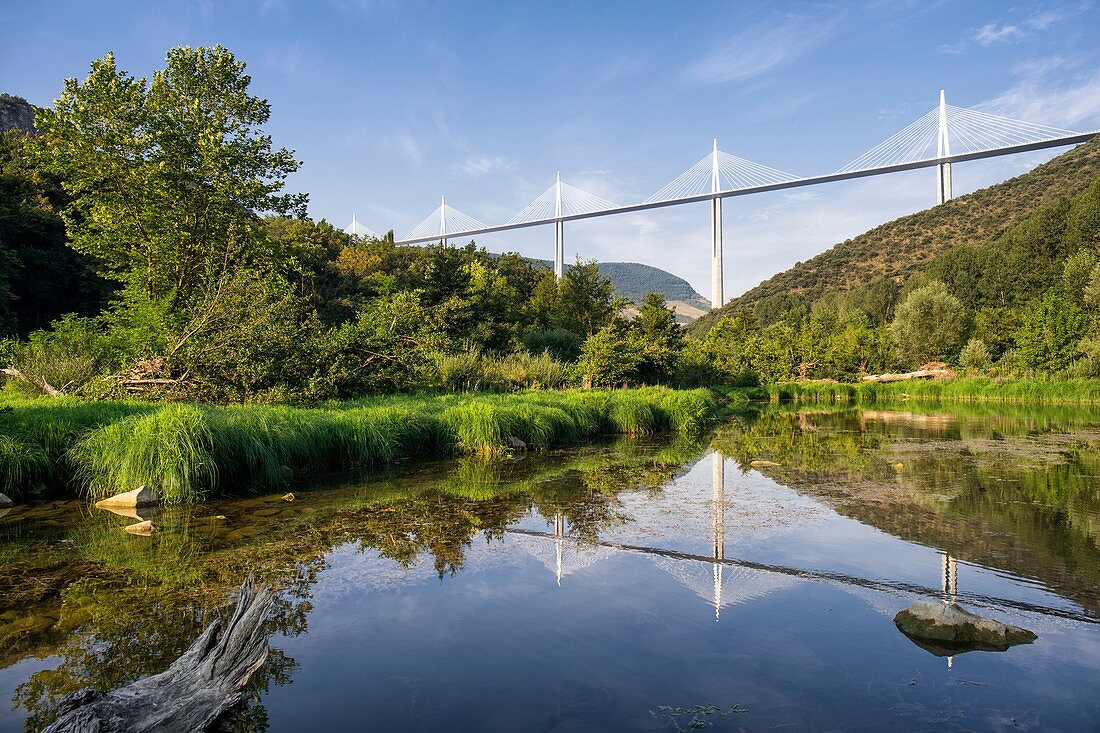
{"type": "Point", "coordinates": [142, 601]}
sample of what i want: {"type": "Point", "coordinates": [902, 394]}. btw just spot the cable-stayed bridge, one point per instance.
{"type": "Point", "coordinates": [945, 135]}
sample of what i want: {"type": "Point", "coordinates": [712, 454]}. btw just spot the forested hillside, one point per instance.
{"type": "Point", "coordinates": [1026, 301]}
{"type": "Point", "coordinates": [906, 246]}
{"type": "Point", "coordinates": [633, 281]}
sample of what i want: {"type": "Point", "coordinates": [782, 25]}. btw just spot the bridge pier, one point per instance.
{"type": "Point", "coordinates": [559, 233]}
{"type": "Point", "coordinates": [716, 274]}
{"type": "Point", "coordinates": [943, 150]}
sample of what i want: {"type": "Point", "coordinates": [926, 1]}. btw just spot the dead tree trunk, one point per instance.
{"type": "Point", "coordinates": [194, 691]}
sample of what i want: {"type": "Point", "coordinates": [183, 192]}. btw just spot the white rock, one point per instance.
{"type": "Point", "coordinates": [142, 529]}
{"type": "Point", "coordinates": [141, 496]}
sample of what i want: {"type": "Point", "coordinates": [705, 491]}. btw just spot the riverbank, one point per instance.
{"type": "Point", "coordinates": [975, 389]}
{"type": "Point", "coordinates": [186, 451]}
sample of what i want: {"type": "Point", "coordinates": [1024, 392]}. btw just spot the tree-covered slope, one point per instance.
{"type": "Point", "coordinates": [907, 245]}
{"type": "Point", "coordinates": [633, 280]}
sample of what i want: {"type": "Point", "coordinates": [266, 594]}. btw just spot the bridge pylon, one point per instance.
{"type": "Point", "coordinates": [943, 150]}
{"type": "Point", "coordinates": [559, 232]}
{"type": "Point", "coordinates": [716, 275]}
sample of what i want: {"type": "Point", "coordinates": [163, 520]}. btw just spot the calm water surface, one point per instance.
{"type": "Point", "coordinates": [652, 584]}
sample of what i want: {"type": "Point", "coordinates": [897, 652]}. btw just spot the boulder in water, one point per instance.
{"type": "Point", "coordinates": [142, 496]}
{"type": "Point", "coordinates": [515, 443]}
{"type": "Point", "coordinates": [936, 625]}
{"type": "Point", "coordinates": [142, 529]}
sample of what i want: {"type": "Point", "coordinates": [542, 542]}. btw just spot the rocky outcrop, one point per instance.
{"type": "Point", "coordinates": [951, 628]}
{"type": "Point", "coordinates": [16, 114]}
{"type": "Point", "coordinates": [5, 502]}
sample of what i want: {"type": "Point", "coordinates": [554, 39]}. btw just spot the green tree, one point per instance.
{"type": "Point", "coordinates": [661, 337]}
{"type": "Point", "coordinates": [611, 357]}
{"type": "Point", "coordinates": [929, 324]}
{"type": "Point", "coordinates": [1076, 274]}
{"type": "Point", "coordinates": [1050, 331]}
{"type": "Point", "coordinates": [168, 180]}
{"type": "Point", "coordinates": [588, 301]}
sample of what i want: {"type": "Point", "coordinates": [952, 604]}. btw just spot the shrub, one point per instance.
{"type": "Point", "coordinates": [561, 344]}
{"type": "Point", "coordinates": [975, 356]}
{"type": "Point", "coordinates": [62, 359]}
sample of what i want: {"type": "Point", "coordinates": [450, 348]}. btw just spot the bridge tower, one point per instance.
{"type": "Point", "coordinates": [943, 150]}
{"type": "Point", "coordinates": [559, 232]}
{"type": "Point", "coordinates": [442, 221]}
{"type": "Point", "coordinates": [716, 277]}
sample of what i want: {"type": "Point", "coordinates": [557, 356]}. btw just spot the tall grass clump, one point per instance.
{"type": "Point", "coordinates": [22, 464]}
{"type": "Point", "coordinates": [170, 450]}
{"type": "Point", "coordinates": [186, 451]}
{"type": "Point", "coordinates": [971, 389]}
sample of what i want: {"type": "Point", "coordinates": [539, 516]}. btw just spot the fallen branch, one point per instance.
{"type": "Point", "coordinates": [919, 374]}
{"type": "Point", "coordinates": [42, 384]}
{"type": "Point", "coordinates": [196, 690]}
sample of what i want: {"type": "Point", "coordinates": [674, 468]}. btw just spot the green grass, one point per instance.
{"type": "Point", "coordinates": [185, 452]}
{"type": "Point", "coordinates": [975, 389]}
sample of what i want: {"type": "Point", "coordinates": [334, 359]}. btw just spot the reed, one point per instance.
{"type": "Point", "coordinates": [974, 389]}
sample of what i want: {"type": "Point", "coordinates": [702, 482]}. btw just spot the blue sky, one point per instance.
{"type": "Point", "coordinates": [391, 104]}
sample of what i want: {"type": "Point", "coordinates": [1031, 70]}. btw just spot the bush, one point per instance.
{"type": "Point", "coordinates": [561, 344]}
{"type": "Point", "coordinates": [975, 356]}
{"type": "Point", "coordinates": [63, 359]}
{"type": "Point", "coordinates": [611, 357]}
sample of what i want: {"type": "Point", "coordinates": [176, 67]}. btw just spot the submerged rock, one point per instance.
{"type": "Point", "coordinates": [142, 529]}
{"type": "Point", "coordinates": [5, 502]}
{"type": "Point", "coordinates": [142, 496]}
{"type": "Point", "coordinates": [948, 628]}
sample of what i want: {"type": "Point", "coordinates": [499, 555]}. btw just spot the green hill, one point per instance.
{"type": "Point", "coordinates": [633, 280]}
{"type": "Point", "coordinates": [908, 245]}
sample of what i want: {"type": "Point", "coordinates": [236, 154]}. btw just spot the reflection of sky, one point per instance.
{"type": "Point", "coordinates": [501, 646]}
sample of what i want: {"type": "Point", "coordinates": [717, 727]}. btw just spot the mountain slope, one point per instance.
{"type": "Point", "coordinates": [634, 280]}
{"type": "Point", "coordinates": [16, 114]}
{"type": "Point", "coordinates": [905, 246]}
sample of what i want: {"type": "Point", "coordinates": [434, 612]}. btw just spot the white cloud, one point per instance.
{"type": "Point", "coordinates": [953, 49]}
{"type": "Point", "coordinates": [1041, 99]}
{"type": "Point", "coordinates": [407, 146]}
{"type": "Point", "coordinates": [484, 165]}
{"type": "Point", "coordinates": [992, 33]}
{"type": "Point", "coordinates": [760, 49]}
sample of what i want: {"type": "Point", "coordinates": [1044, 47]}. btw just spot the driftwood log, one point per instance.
{"type": "Point", "coordinates": [196, 690]}
{"type": "Point", "coordinates": [919, 374]}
